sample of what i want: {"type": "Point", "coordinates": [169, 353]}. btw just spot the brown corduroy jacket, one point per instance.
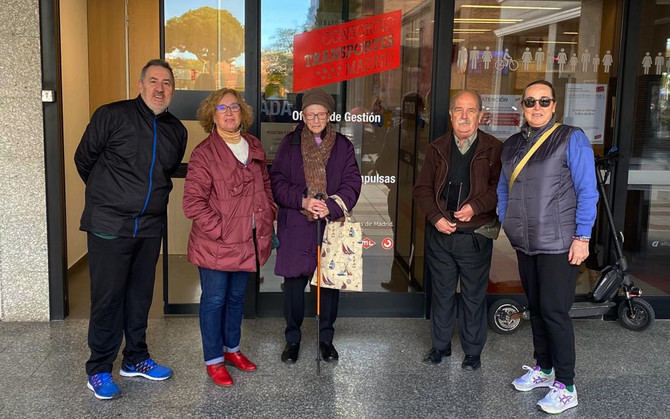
{"type": "Point", "coordinates": [484, 175]}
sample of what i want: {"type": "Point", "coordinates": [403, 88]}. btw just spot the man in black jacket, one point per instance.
{"type": "Point", "coordinates": [126, 157]}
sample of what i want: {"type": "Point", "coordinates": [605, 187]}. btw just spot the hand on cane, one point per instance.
{"type": "Point", "coordinates": [314, 208]}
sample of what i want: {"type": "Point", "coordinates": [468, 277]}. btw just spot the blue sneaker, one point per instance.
{"type": "Point", "coordinates": [148, 369]}
{"type": "Point", "coordinates": [103, 386]}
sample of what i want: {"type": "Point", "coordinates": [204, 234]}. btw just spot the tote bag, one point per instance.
{"type": "Point", "coordinates": [342, 253]}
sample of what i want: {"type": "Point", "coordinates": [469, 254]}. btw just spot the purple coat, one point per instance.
{"type": "Point", "coordinates": [296, 255]}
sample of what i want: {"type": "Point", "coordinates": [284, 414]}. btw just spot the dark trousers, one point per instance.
{"type": "Point", "coordinates": [450, 258]}
{"type": "Point", "coordinates": [549, 282]}
{"type": "Point", "coordinates": [122, 274]}
{"type": "Point", "coordinates": [294, 309]}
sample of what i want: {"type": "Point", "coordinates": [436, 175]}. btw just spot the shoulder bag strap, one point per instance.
{"type": "Point", "coordinates": [519, 167]}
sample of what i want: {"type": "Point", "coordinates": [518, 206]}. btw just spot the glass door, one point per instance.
{"type": "Point", "coordinates": [381, 87]}
{"type": "Point", "coordinates": [647, 221]}
{"type": "Point", "coordinates": [500, 47]}
{"type": "Point", "coordinates": [204, 42]}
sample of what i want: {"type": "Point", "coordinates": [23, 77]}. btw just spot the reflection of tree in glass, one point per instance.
{"type": "Point", "coordinates": [277, 63]}
{"type": "Point", "coordinates": [182, 68]}
{"type": "Point", "coordinates": [196, 32]}
{"type": "Point", "coordinates": [275, 85]}
{"type": "Point", "coordinates": [283, 39]}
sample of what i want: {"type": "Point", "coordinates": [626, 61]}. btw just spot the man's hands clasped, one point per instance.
{"type": "Point", "coordinates": [445, 226]}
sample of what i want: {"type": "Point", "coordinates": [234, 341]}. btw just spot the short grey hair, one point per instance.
{"type": "Point", "coordinates": [463, 92]}
{"type": "Point", "coordinates": [159, 63]}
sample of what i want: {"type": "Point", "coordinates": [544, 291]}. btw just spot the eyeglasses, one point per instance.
{"type": "Point", "coordinates": [320, 115]}
{"type": "Point", "coordinates": [234, 107]}
{"type": "Point", "coordinates": [544, 101]}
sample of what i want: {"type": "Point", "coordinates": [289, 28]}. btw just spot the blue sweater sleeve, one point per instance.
{"type": "Point", "coordinates": [502, 196]}
{"type": "Point", "coordinates": [583, 172]}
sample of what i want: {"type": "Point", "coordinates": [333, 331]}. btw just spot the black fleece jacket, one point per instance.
{"type": "Point", "coordinates": [126, 157]}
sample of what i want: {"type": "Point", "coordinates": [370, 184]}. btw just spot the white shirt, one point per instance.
{"type": "Point", "coordinates": [240, 150]}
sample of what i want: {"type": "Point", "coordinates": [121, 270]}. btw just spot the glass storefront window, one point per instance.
{"type": "Point", "coordinates": [204, 43]}
{"type": "Point", "coordinates": [500, 47]}
{"type": "Point", "coordinates": [647, 225]}
{"type": "Point", "coordinates": [384, 112]}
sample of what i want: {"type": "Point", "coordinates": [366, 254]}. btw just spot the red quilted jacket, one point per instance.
{"type": "Point", "coordinates": [221, 195]}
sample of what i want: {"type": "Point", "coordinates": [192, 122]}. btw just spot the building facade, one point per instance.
{"type": "Point", "coordinates": [391, 66]}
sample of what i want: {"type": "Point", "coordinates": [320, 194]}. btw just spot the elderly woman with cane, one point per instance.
{"type": "Point", "coordinates": [312, 163]}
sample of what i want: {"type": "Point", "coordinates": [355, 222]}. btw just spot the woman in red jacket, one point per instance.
{"type": "Point", "coordinates": [227, 195]}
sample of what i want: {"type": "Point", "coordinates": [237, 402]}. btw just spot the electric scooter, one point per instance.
{"type": "Point", "coordinates": [614, 287]}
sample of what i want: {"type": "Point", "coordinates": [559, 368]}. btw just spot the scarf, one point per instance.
{"type": "Point", "coordinates": [230, 137]}
{"type": "Point", "coordinates": [315, 158]}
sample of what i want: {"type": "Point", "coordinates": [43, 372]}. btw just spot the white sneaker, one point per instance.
{"type": "Point", "coordinates": [534, 378]}
{"type": "Point", "coordinates": [559, 399]}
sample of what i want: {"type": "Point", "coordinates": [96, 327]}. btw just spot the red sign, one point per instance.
{"type": "Point", "coordinates": [368, 243]}
{"type": "Point", "coordinates": [502, 119]}
{"type": "Point", "coordinates": [346, 51]}
{"type": "Point", "coordinates": [387, 243]}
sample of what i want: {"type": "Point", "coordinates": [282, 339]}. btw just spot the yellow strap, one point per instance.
{"type": "Point", "coordinates": [533, 149]}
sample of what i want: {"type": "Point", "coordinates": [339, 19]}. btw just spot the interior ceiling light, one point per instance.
{"type": "Point", "coordinates": [471, 30]}
{"type": "Point", "coordinates": [541, 21]}
{"type": "Point", "coordinates": [485, 20]}
{"type": "Point", "coordinates": [570, 33]}
{"type": "Point", "coordinates": [457, 40]}
{"type": "Point", "coordinates": [482, 6]}
{"type": "Point", "coordinates": [552, 42]}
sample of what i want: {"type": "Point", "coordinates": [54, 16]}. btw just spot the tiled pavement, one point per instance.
{"type": "Point", "coordinates": [380, 374]}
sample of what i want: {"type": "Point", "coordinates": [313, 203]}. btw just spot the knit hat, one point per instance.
{"type": "Point", "coordinates": [318, 97]}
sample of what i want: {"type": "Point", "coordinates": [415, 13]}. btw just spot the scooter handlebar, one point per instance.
{"type": "Point", "coordinates": [606, 161]}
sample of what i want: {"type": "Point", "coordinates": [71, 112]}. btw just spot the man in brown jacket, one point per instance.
{"type": "Point", "coordinates": [456, 190]}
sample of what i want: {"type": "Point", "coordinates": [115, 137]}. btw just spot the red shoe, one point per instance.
{"type": "Point", "coordinates": [239, 360]}
{"type": "Point", "coordinates": [219, 374]}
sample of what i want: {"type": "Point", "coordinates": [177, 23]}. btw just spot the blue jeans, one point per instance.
{"type": "Point", "coordinates": [221, 311]}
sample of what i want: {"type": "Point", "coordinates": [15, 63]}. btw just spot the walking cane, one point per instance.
{"type": "Point", "coordinates": [318, 287]}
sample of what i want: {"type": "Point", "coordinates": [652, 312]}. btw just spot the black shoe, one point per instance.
{"type": "Point", "coordinates": [434, 356]}
{"type": "Point", "coordinates": [471, 362]}
{"type": "Point", "coordinates": [290, 354]}
{"type": "Point", "coordinates": [328, 352]}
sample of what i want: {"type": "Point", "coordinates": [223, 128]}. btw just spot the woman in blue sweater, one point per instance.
{"type": "Point", "coordinates": [547, 207]}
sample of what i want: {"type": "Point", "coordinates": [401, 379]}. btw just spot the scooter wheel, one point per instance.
{"type": "Point", "coordinates": [500, 316]}
{"type": "Point", "coordinates": [638, 316]}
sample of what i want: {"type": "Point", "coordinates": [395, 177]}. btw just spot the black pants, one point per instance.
{"type": "Point", "coordinates": [450, 258]}
{"type": "Point", "coordinates": [122, 285]}
{"type": "Point", "coordinates": [549, 282]}
{"type": "Point", "coordinates": [294, 309]}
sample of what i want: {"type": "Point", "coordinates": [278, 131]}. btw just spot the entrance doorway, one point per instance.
{"type": "Point", "coordinates": [100, 63]}
{"type": "Point", "coordinates": [384, 112]}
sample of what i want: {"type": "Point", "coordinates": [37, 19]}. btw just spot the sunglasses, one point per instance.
{"type": "Point", "coordinates": [544, 101]}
